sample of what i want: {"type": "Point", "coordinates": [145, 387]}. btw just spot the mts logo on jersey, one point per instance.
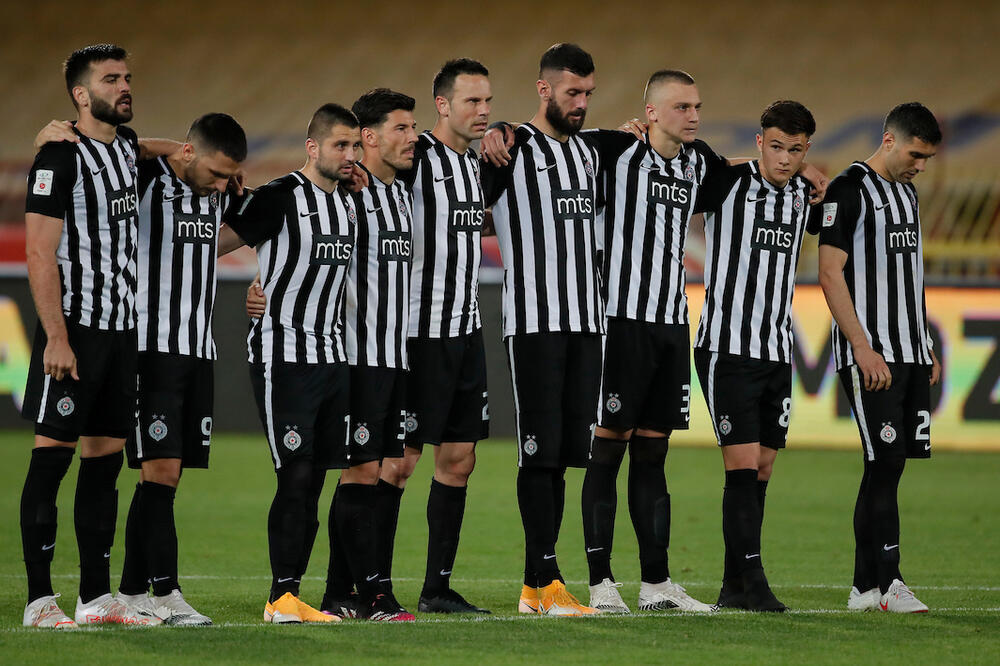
{"type": "Point", "coordinates": [670, 192]}
{"type": "Point", "coordinates": [773, 236]}
{"type": "Point", "coordinates": [332, 250]}
{"type": "Point", "coordinates": [901, 238]}
{"type": "Point", "coordinates": [193, 228]}
{"type": "Point", "coordinates": [573, 205]}
{"type": "Point", "coordinates": [466, 216]}
{"type": "Point", "coordinates": [122, 204]}
{"type": "Point", "coordinates": [394, 245]}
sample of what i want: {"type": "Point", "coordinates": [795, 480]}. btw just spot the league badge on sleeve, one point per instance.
{"type": "Point", "coordinates": [43, 182]}
{"type": "Point", "coordinates": [829, 214]}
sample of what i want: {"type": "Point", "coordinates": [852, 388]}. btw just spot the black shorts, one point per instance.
{"type": "Point", "coordinates": [446, 390]}
{"type": "Point", "coordinates": [377, 413]}
{"type": "Point", "coordinates": [749, 400]}
{"type": "Point", "coordinates": [556, 378]}
{"type": "Point", "coordinates": [646, 381]}
{"type": "Point", "coordinates": [303, 408]}
{"type": "Point", "coordinates": [102, 403]}
{"type": "Point", "coordinates": [895, 422]}
{"type": "Point", "coordinates": [175, 410]}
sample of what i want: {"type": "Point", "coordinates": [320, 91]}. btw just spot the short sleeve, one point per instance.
{"type": "Point", "coordinates": [260, 216]}
{"type": "Point", "coordinates": [837, 217]}
{"type": "Point", "coordinates": [51, 180]}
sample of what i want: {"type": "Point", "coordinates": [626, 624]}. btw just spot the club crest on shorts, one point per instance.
{"type": "Point", "coordinates": [725, 427]}
{"type": "Point", "coordinates": [292, 439]}
{"type": "Point", "coordinates": [361, 434]}
{"type": "Point", "coordinates": [530, 445]}
{"type": "Point", "coordinates": [614, 403]}
{"type": "Point", "coordinates": [887, 433]}
{"type": "Point", "coordinates": [410, 422]}
{"type": "Point", "coordinates": [689, 172]}
{"type": "Point", "coordinates": [65, 406]}
{"type": "Point", "coordinates": [157, 429]}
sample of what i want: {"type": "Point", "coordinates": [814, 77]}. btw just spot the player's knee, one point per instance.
{"type": "Point", "coordinates": [607, 452]}
{"type": "Point", "coordinates": [456, 469]}
{"type": "Point", "coordinates": [397, 470]}
{"type": "Point", "coordinates": [166, 472]}
{"type": "Point", "coordinates": [648, 450]}
{"type": "Point", "coordinates": [608, 433]}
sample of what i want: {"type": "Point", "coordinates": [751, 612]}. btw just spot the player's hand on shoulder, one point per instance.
{"type": "Point", "coordinates": [636, 127]}
{"type": "Point", "coordinates": [256, 301]}
{"type": "Point", "coordinates": [59, 361]}
{"type": "Point", "coordinates": [817, 179]}
{"type": "Point", "coordinates": [873, 368]}
{"type": "Point", "coordinates": [496, 144]}
{"type": "Point", "coordinates": [55, 131]}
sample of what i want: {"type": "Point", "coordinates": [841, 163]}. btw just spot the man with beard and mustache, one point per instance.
{"type": "Point", "coordinates": [303, 227]}
{"type": "Point", "coordinates": [545, 202]}
{"type": "Point", "coordinates": [81, 229]}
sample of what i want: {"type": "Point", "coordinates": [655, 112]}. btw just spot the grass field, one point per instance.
{"type": "Point", "coordinates": [951, 556]}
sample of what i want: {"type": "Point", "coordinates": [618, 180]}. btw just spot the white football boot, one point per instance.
{"type": "Point", "coordinates": [606, 599]}
{"type": "Point", "coordinates": [139, 610]}
{"type": "Point", "coordinates": [899, 599]}
{"type": "Point", "coordinates": [668, 596]}
{"type": "Point", "coordinates": [105, 609]}
{"type": "Point", "coordinates": [45, 613]}
{"type": "Point", "coordinates": [175, 611]}
{"type": "Point", "coordinates": [863, 601]}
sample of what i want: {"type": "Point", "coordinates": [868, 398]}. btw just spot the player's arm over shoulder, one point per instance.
{"type": "Point", "coordinates": [495, 178]}
{"type": "Point", "coordinates": [717, 185]}
{"type": "Point", "coordinates": [260, 215]}
{"type": "Point", "coordinates": [610, 144]}
{"type": "Point", "coordinates": [837, 217]}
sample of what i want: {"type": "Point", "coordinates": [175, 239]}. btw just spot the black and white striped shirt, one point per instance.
{"type": "Point", "coordinates": [545, 204]}
{"type": "Point", "coordinates": [378, 288]}
{"type": "Point", "coordinates": [91, 186]}
{"type": "Point", "coordinates": [753, 234]}
{"type": "Point", "coordinates": [177, 248]}
{"type": "Point", "coordinates": [650, 201]}
{"type": "Point", "coordinates": [447, 248]}
{"type": "Point", "coordinates": [304, 239]}
{"type": "Point", "coordinates": [877, 223]}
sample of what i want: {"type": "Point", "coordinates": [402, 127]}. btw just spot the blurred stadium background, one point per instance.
{"type": "Point", "coordinates": [271, 64]}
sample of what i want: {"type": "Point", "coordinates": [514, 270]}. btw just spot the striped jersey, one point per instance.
{"type": "Point", "coordinates": [545, 205]}
{"type": "Point", "coordinates": [649, 202]}
{"type": "Point", "coordinates": [377, 301]}
{"type": "Point", "coordinates": [877, 223]}
{"type": "Point", "coordinates": [753, 234]}
{"type": "Point", "coordinates": [177, 247]}
{"type": "Point", "coordinates": [447, 240]}
{"type": "Point", "coordinates": [91, 187]}
{"type": "Point", "coordinates": [304, 239]}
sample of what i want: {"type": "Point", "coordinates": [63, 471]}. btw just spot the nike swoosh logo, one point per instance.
{"type": "Point", "coordinates": [884, 606]}
{"type": "Point", "coordinates": [750, 557]}
{"type": "Point", "coordinates": [594, 550]}
{"type": "Point", "coordinates": [546, 168]}
{"type": "Point", "coordinates": [881, 207]}
{"type": "Point", "coordinates": [176, 196]}
{"type": "Point", "coordinates": [887, 547]}
{"type": "Point", "coordinates": [548, 557]}
{"type": "Point", "coordinates": [374, 210]}
{"type": "Point", "coordinates": [107, 554]}
{"type": "Point", "coordinates": [755, 200]}
{"type": "Point", "coordinates": [157, 580]}
{"type": "Point", "coordinates": [49, 547]}
{"type": "Point", "coordinates": [442, 179]}
{"type": "Point", "coordinates": [284, 580]}
{"type": "Point", "coordinates": [444, 573]}
{"type": "Point", "coordinates": [371, 578]}
{"type": "Point", "coordinates": [308, 214]}
{"type": "Point", "coordinates": [98, 171]}
{"type": "Point", "coordinates": [927, 447]}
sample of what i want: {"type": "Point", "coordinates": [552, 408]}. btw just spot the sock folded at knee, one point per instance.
{"type": "Point", "coordinates": [649, 505]}
{"type": "Point", "coordinates": [95, 512]}
{"type": "Point", "coordinates": [445, 511]}
{"type": "Point", "coordinates": [46, 470]}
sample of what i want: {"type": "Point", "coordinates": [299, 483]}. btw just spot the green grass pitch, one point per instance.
{"type": "Point", "coordinates": [951, 557]}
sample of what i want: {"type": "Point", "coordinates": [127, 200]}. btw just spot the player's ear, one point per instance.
{"type": "Point", "coordinates": [888, 140]}
{"type": "Point", "coordinates": [651, 113]}
{"type": "Point", "coordinates": [544, 90]}
{"type": "Point", "coordinates": [188, 153]}
{"type": "Point", "coordinates": [81, 96]}
{"type": "Point", "coordinates": [312, 148]}
{"type": "Point", "coordinates": [760, 142]}
{"type": "Point", "coordinates": [368, 137]}
{"type": "Point", "coordinates": [442, 105]}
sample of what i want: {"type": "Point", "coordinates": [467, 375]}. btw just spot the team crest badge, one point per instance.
{"type": "Point", "coordinates": [798, 202]}
{"type": "Point", "coordinates": [614, 403]}
{"type": "Point", "coordinates": [530, 445]}
{"type": "Point", "coordinates": [888, 433]}
{"type": "Point", "coordinates": [157, 430]}
{"type": "Point", "coordinates": [361, 434]}
{"type": "Point", "coordinates": [213, 200]}
{"type": "Point", "coordinates": [410, 422]}
{"type": "Point", "coordinates": [725, 427]}
{"type": "Point", "coordinates": [130, 163]}
{"type": "Point", "coordinates": [689, 172]}
{"type": "Point", "coordinates": [292, 440]}
{"type": "Point", "coordinates": [588, 167]}
{"type": "Point", "coordinates": [402, 205]}
{"type": "Point", "coordinates": [351, 215]}
{"type": "Point", "coordinates": [912, 197]}
{"type": "Point", "coordinates": [65, 406]}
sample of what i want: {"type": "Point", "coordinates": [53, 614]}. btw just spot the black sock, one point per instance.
{"type": "Point", "coordinates": [354, 517]}
{"type": "Point", "coordinates": [312, 519]}
{"type": "Point", "coordinates": [600, 502]}
{"type": "Point", "coordinates": [95, 512]}
{"type": "Point", "coordinates": [339, 581]}
{"type": "Point", "coordinates": [135, 570]}
{"type": "Point", "coordinates": [865, 565]}
{"type": "Point", "coordinates": [741, 519]}
{"type": "Point", "coordinates": [558, 500]}
{"type": "Point", "coordinates": [761, 497]}
{"type": "Point", "coordinates": [535, 500]}
{"type": "Point", "coordinates": [38, 515]}
{"type": "Point", "coordinates": [445, 510]}
{"type": "Point", "coordinates": [161, 536]}
{"type": "Point", "coordinates": [649, 505]}
{"type": "Point", "coordinates": [286, 525]}
{"type": "Point", "coordinates": [883, 510]}
{"type": "Point", "coordinates": [386, 517]}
